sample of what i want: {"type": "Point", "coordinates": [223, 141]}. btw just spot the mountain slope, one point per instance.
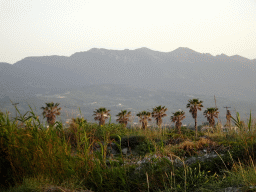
{"type": "Point", "coordinates": [182, 70]}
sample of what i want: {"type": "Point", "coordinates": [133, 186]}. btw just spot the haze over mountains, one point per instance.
{"type": "Point", "coordinates": [183, 71]}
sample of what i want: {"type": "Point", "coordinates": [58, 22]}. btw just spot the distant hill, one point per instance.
{"type": "Point", "coordinates": [139, 79]}
{"type": "Point", "coordinates": [182, 70]}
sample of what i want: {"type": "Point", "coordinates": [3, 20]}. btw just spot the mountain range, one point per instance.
{"type": "Point", "coordinates": [182, 71]}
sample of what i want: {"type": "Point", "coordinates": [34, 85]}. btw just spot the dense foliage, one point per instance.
{"type": "Point", "coordinates": [112, 157]}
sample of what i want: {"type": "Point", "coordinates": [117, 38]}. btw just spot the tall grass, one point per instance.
{"type": "Point", "coordinates": [35, 156]}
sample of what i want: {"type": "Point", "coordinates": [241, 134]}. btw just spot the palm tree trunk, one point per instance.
{"type": "Point", "coordinates": [50, 121]}
{"type": "Point", "coordinates": [196, 126]}
{"type": "Point", "coordinates": [146, 125]}
{"type": "Point", "coordinates": [213, 123]}
{"type": "Point", "coordinates": [159, 123]}
{"type": "Point", "coordinates": [179, 127]}
{"type": "Point", "coordinates": [102, 121]}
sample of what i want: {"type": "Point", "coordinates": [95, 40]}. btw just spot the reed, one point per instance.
{"type": "Point", "coordinates": [34, 157]}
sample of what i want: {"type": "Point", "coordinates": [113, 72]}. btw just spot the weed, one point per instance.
{"type": "Point", "coordinates": [34, 158]}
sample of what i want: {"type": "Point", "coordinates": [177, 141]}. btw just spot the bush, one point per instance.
{"type": "Point", "coordinates": [179, 152]}
{"type": "Point", "coordinates": [145, 147]}
{"type": "Point", "coordinates": [186, 134]}
{"type": "Point", "coordinates": [131, 141]}
{"type": "Point", "coordinates": [6, 173]}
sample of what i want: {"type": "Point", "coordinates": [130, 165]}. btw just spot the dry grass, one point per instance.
{"type": "Point", "coordinates": [205, 142]}
{"type": "Point", "coordinates": [187, 145]}
{"type": "Point", "coordinates": [45, 152]}
{"type": "Point", "coordinates": [62, 189]}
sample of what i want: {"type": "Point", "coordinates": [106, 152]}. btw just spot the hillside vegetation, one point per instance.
{"type": "Point", "coordinates": [110, 157]}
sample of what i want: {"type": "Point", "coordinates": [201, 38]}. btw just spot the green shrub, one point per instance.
{"type": "Point", "coordinates": [145, 147]}
{"type": "Point", "coordinates": [186, 134]}
{"type": "Point", "coordinates": [175, 138]}
{"type": "Point", "coordinates": [195, 177]}
{"type": "Point", "coordinates": [131, 141]}
{"type": "Point", "coordinates": [6, 172]}
{"type": "Point", "coordinates": [179, 152]}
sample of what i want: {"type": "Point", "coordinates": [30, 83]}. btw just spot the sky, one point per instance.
{"type": "Point", "coordinates": [63, 27]}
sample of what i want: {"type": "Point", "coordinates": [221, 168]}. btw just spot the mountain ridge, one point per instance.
{"type": "Point", "coordinates": [181, 51]}
{"type": "Point", "coordinates": [181, 70]}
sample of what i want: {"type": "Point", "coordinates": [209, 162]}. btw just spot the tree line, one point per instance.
{"type": "Point", "coordinates": [51, 110]}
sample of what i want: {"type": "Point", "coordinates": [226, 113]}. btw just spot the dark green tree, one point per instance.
{"type": "Point", "coordinates": [177, 118]}
{"type": "Point", "coordinates": [144, 118]}
{"type": "Point", "coordinates": [123, 117]}
{"type": "Point", "coordinates": [194, 105]}
{"type": "Point", "coordinates": [101, 115]}
{"type": "Point", "coordinates": [210, 114]}
{"type": "Point", "coordinates": [50, 112]}
{"type": "Point", "coordinates": [158, 113]}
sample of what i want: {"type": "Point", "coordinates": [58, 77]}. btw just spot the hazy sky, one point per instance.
{"type": "Point", "coordinates": [63, 27]}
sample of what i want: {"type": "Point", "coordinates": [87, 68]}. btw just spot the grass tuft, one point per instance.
{"type": "Point", "coordinates": [86, 156]}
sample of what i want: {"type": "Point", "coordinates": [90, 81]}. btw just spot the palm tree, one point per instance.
{"type": "Point", "coordinates": [178, 117]}
{"type": "Point", "coordinates": [194, 105]}
{"type": "Point", "coordinates": [210, 114]}
{"type": "Point", "coordinates": [123, 117]}
{"type": "Point", "coordinates": [144, 118]}
{"type": "Point", "coordinates": [50, 112]}
{"type": "Point", "coordinates": [101, 115]}
{"type": "Point", "coordinates": [158, 113]}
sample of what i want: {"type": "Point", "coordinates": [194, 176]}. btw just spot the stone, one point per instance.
{"type": "Point", "coordinates": [125, 151]}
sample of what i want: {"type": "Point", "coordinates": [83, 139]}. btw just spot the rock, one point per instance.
{"type": "Point", "coordinates": [125, 151]}
{"type": "Point", "coordinates": [252, 187]}
{"type": "Point", "coordinates": [205, 157]}
{"type": "Point", "coordinates": [231, 189]}
{"type": "Point", "coordinates": [113, 151]}
{"type": "Point", "coordinates": [191, 160]}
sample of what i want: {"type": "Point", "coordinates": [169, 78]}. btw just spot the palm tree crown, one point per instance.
{"type": "Point", "coordinates": [50, 112]}
{"type": "Point", "coordinates": [123, 117]}
{"type": "Point", "coordinates": [178, 117]}
{"type": "Point", "coordinates": [158, 113]}
{"type": "Point", "coordinates": [101, 115]}
{"type": "Point", "coordinates": [144, 118]}
{"type": "Point", "coordinates": [210, 114]}
{"type": "Point", "coordinates": [194, 105]}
